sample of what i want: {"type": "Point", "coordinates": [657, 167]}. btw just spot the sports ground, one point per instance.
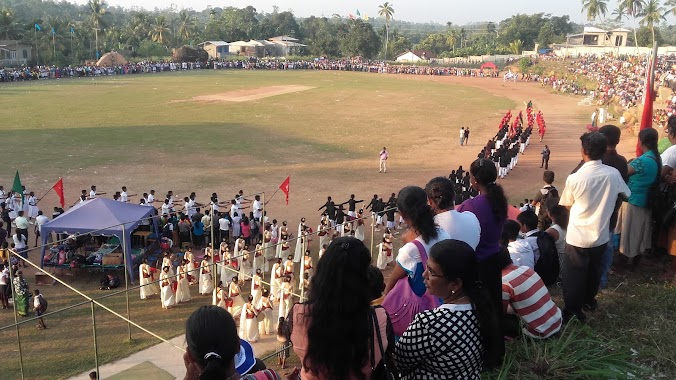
{"type": "Point", "coordinates": [226, 130]}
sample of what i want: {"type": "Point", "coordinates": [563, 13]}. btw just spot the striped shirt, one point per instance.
{"type": "Point", "coordinates": [524, 294]}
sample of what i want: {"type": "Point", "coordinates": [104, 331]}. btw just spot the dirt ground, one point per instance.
{"type": "Point", "coordinates": [250, 94]}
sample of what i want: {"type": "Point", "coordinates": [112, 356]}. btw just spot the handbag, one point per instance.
{"type": "Point", "coordinates": [402, 304]}
{"type": "Point", "coordinates": [385, 370]}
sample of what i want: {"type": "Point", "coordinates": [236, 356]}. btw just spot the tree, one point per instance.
{"type": "Point", "coordinates": [186, 26]}
{"type": "Point", "coordinates": [631, 8]}
{"type": "Point", "coordinates": [160, 31]}
{"type": "Point", "coordinates": [594, 8]}
{"type": "Point", "coordinates": [437, 43]}
{"type": "Point", "coordinates": [644, 37]}
{"type": "Point", "coordinates": [651, 15]}
{"type": "Point", "coordinates": [385, 10]}
{"type": "Point", "coordinates": [546, 36]}
{"type": "Point", "coordinates": [360, 40]}
{"type": "Point", "coordinates": [9, 28]}
{"type": "Point", "coordinates": [515, 47]}
{"type": "Point", "coordinates": [98, 18]}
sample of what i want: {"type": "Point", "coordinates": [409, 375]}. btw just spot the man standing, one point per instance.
{"type": "Point", "coordinates": [462, 135]}
{"type": "Point", "coordinates": [590, 193]}
{"type": "Point", "coordinates": [330, 210]}
{"type": "Point", "coordinates": [466, 141]}
{"type": "Point", "coordinates": [545, 157]}
{"type": "Point", "coordinates": [40, 220]}
{"type": "Point", "coordinates": [21, 224]}
{"type": "Point", "coordinates": [383, 160]}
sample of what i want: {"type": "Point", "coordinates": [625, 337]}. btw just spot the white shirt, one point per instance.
{"type": "Point", "coordinates": [521, 253]}
{"type": "Point", "coordinates": [40, 220]}
{"type": "Point", "coordinates": [463, 226]}
{"type": "Point", "coordinates": [92, 194]}
{"type": "Point", "coordinates": [19, 241]}
{"type": "Point", "coordinates": [591, 194]}
{"type": "Point", "coordinates": [190, 207]}
{"type": "Point", "coordinates": [234, 209]}
{"type": "Point", "coordinates": [257, 209]}
{"type": "Point", "coordinates": [669, 157]}
{"type": "Point", "coordinates": [151, 199]}
{"type": "Point", "coordinates": [462, 133]}
{"type": "Point", "coordinates": [224, 224]}
{"type": "Point", "coordinates": [124, 197]}
{"type": "Point", "coordinates": [532, 240]}
{"type": "Point", "coordinates": [166, 208]}
{"type": "Point", "coordinates": [3, 195]}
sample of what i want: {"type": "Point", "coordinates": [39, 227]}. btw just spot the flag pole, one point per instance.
{"type": "Point", "coordinates": [43, 195]}
{"type": "Point", "coordinates": [273, 194]}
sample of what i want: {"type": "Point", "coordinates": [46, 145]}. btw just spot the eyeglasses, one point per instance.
{"type": "Point", "coordinates": [432, 274]}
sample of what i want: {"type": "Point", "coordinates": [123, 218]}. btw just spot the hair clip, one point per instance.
{"type": "Point", "coordinates": [210, 355]}
{"type": "Point", "coordinates": [345, 246]}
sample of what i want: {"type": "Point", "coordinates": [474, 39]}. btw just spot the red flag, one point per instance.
{"type": "Point", "coordinates": [285, 188]}
{"type": "Point", "coordinates": [647, 116]}
{"type": "Point", "coordinates": [58, 189]}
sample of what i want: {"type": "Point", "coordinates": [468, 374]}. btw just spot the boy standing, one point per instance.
{"type": "Point", "coordinates": [40, 307]}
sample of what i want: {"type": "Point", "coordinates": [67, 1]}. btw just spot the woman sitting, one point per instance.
{"type": "Point", "coordinates": [430, 349]}
{"type": "Point", "coordinates": [213, 344]}
{"type": "Point", "coordinates": [333, 332]}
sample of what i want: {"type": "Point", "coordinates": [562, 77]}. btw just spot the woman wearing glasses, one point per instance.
{"type": "Point", "coordinates": [455, 340]}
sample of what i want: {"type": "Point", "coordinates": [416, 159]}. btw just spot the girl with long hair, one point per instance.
{"type": "Point", "coordinates": [429, 349]}
{"type": "Point", "coordinates": [413, 208]}
{"type": "Point", "coordinates": [490, 207]}
{"type": "Point", "coordinates": [332, 332]}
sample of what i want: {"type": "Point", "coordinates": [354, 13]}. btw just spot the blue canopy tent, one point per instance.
{"type": "Point", "coordinates": [100, 216]}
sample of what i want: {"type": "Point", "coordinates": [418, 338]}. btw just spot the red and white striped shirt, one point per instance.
{"type": "Point", "coordinates": [524, 294]}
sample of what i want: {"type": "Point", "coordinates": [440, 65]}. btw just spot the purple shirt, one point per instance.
{"type": "Point", "coordinates": [491, 229]}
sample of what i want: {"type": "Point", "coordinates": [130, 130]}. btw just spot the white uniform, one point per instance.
{"type": "Point", "coordinates": [167, 293]}
{"type": "Point", "coordinates": [148, 288]}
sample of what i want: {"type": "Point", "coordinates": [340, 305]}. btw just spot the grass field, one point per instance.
{"type": "Point", "coordinates": [56, 128]}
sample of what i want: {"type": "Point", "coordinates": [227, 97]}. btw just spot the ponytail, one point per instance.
{"type": "Point", "coordinates": [214, 368]}
{"type": "Point", "coordinates": [496, 197]}
{"type": "Point", "coordinates": [492, 339]}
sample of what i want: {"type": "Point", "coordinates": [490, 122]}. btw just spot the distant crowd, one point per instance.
{"type": "Point", "coordinates": [146, 67]}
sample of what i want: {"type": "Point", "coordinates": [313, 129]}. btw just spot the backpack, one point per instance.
{"type": "Point", "coordinates": [548, 264]}
{"type": "Point", "coordinates": [43, 302]}
{"type": "Point", "coordinates": [553, 193]}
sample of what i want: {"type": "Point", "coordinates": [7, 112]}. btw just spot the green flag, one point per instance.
{"type": "Point", "coordinates": [17, 187]}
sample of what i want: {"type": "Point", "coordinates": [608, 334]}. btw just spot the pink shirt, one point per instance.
{"type": "Point", "coordinates": [300, 342]}
{"type": "Point", "coordinates": [383, 155]}
{"type": "Point", "coordinates": [246, 230]}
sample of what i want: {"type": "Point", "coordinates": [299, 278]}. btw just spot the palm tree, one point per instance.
{"type": "Point", "coordinates": [159, 31]}
{"type": "Point", "coordinates": [671, 6]}
{"type": "Point", "coordinates": [652, 14]}
{"type": "Point", "coordinates": [452, 38]}
{"type": "Point", "coordinates": [594, 8]}
{"type": "Point", "coordinates": [632, 8]}
{"type": "Point", "coordinates": [516, 46]}
{"type": "Point", "coordinates": [97, 16]}
{"type": "Point", "coordinates": [9, 28]}
{"type": "Point", "coordinates": [386, 10]}
{"type": "Point", "coordinates": [186, 25]}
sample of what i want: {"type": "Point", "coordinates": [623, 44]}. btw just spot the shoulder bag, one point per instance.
{"type": "Point", "coordinates": [402, 304]}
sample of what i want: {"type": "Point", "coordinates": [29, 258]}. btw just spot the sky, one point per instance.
{"type": "Point", "coordinates": [459, 12]}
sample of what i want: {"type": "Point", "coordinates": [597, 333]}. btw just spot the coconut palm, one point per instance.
{"type": "Point", "coordinates": [671, 6]}
{"type": "Point", "coordinates": [160, 31]}
{"type": "Point", "coordinates": [98, 18]}
{"type": "Point", "coordinates": [632, 8]}
{"type": "Point", "coordinates": [651, 15]}
{"type": "Point", "coordinates": [186, 25]}
{"type": "Point", "coordinates": [9, 28]}
{"type": "Point", "coordinates": [594, 8]}
{"type": "Point", "coordinates": [515, 47]}
{"type": "Point", "coordinates": [386, 10]}
{"type": "Point", "coordinates": [452, 38]}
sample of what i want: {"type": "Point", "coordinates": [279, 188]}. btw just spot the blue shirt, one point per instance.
{"type": "Point", "coordinates": [640, 182]}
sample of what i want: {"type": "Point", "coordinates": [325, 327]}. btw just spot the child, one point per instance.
{"type": "Point", "coordinates": [40, 306]}
{"type": "Point", "coordinates": [93, 375]}
{"type": "Point", "coordinates": [519, 249]}
{"type": "Point", "coordinates": [283, 340]}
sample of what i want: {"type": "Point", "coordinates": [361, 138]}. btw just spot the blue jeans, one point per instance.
{"type": "Point", "coordinates": [606, 263]}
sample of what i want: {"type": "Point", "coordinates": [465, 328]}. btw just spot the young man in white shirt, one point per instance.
{"type": "Point", "coordinates": [519, 250]}
{"type": "Point", "coordinates": [40, 220]}
{"type": "Point", "coordinates": [257, 207]}
{"type": "Point", "coordinates": [383, 160]}
{"type": "Point", "coordinates": [93, 193]}
{"type": "Point", "coordinates": [529, 228]}
{"type": "Point", "coordinates": [590, 193]}
{"type": "Point", "coordinates": [224, 226]}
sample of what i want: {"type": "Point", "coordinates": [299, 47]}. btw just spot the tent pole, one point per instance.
{"type": "Point", "coordinates": [126, 275]}
{"type": "Point", "coordinates": [16, 320]}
